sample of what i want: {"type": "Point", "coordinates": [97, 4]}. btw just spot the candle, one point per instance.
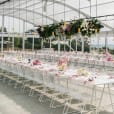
{"type": "Point", "coordinates": [78, 29]}
{"type": "Point", "coordinates": [64, 23]}
{"type": "Point", "coordinates": [33, 33]}
{"type": "Point", "coordinates": [96, 30]}
{"type": "Point", "coordinates": [52, 33]}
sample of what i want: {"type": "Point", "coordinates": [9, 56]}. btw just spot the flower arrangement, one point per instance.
{"type": "Point", "coordinates": [36, 62]}
{"type": "Point", "coordinates": [108, 57]}
{"type": "Point", "coordinates": [86, 27]}
{"type": "Point", "coordinates": [62, 63]}
{"type": "Point", "coordinates": [75, 26]}
{"type": "Point", "coordinates": [47, 31]}
{"type": "Point", "coordinates": [82, 72]}
{"type": "Point", "coordinates": [1, 55]}
{"type": "Point", "coordinates": [40, 30]}
{"type": "Point", "coordinates": [19, 57]}
{"type": "Point", "coordinates": [90, 27]}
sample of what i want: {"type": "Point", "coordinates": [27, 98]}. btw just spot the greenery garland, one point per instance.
{"type": "Point", "coordinates": [84, 27]}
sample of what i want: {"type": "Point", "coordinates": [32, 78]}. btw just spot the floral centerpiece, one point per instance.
{"type": "Point", "coordinates": [36, 62]}
{"type": "Point", "coordinates": [82, 72]}
{"type": "Point", "coordinates": [62, 63]}
{"type": "Point", "coordinates": [2, 55]}
{"type": "Point", "coordinates": [19, 57]}
{"type": "Point", "coordinates": [108, 57]}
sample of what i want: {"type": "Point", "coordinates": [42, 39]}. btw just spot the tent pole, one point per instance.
{"type": "Point", "coordinates": [33, 43]}
{"type": "Point", "coordinates": [23, 45]}
{"type": "Point", "coordinates": [2, 34]}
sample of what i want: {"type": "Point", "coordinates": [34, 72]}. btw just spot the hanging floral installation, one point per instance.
{"type": "Point", "coordinates": [89, 27]}
{"type": "Point", "coordinates": [86, 27]}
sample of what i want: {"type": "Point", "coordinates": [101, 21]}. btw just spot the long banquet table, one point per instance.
{"type": "Point", "coordinates": [24, 69]}
{"type": "Point", "coordinates": [74, 58]}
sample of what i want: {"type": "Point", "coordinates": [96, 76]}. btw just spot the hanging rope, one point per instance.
{"type": "Point", "coordinates": [96, 9]}
{"type": "Point", "coordinates": [79, 9]}
{"type": "Point", "coordinates": [26, 15]}
{"type": "Point", "coordinates": [79, 27]}
{"type": "Point", "coordinates": [42, 25]}
{"type": "Point", "coordinates": [2, 29]}
{"type": "Point", "coordinates": [106, 40]}
{"type": "Point", "coordinates": [42, 13]}
{"type": "Point", "coordinates": [33, 12]}
{"type": "Point", "coordinates": [19, 34]}
{"type": "Point", "coordinates": [64, 10]}
{"type": "Point", "coordinates": [53, 34]}
{"type": "Point", "coordinates": [97, 30]}
{"type": "Point", "coordinates": [25, 37]}
{"type": "Point", "coordinates": [19, 20]}
{"type": "Point", "coordinates": [64, 24]}
{"type": "Point", "coordinates": [53, 17]}
{"type": "Point", "coordinates": [9, 25]}
{"type": "Point", "coordinates": [33, 28]}
{"type": "Point", "coordinates": [53, 11]}
{"type": "Point", "coordinates": [89, 40]}
{"type": "Point", "coordinates": [90, 9]}
{"type": "Point", "coordinates": [13, 17]}
{"type": "Point", "coordinates": [97, 13]}
{"type": "Point", "coordinates": [79, 16]}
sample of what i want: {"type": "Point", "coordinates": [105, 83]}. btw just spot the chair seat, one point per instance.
{"type": "Point", "coordinates": [80, 96]}
{"type": "Point", "coordinates": [34, 86]}
{"type": "Point", "coordinates": [79, 107]}
{"type": "Point", "coordinates": [50, 93]}
{"type": "Point", "coordinates": [11, 77]}
{"type": "Point", "coordinates": [61, 99]}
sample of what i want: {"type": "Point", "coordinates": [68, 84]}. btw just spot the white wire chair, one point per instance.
{"type": "Point", "coordinates": [61, 87]}
{"type": "Point", "coordinates": [28, 76]}
{"type": "Point", "coordinates": [37, 85]}
{"type": "Point", "coordinates": [82, 98]}
{"type": "Point", "coordinates": [8, 75]}
{"type": "Point", "coordinates": [19, 70]}
{"type": "Point", "coordinates": [1, 72]}
{"type": "Point", "coordinates": [47, 82]}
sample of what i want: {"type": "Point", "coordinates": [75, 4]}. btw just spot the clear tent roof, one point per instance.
{"type": "Point", "coordinates": [41, 12]}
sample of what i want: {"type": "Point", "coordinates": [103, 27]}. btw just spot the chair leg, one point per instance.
{"type": "Point", "coordinates": [9, 82]}
{"type": "Point", "coordinates": [15, 86]}
{"type": "Point", "coordinates": [66, 108]}
{"type": "Point", "coordinates": [31, 92]}
{"type": "Point", "coordinates": [4, 80]}
{"type": "Point", "coordinates": [53, 105]}
{"type": "Point", "coordinates": [41, 98]}
{"type": "Point", "coordinates": [23, 89]}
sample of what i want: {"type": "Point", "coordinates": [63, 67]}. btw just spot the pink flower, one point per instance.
{"type": "Point", "coordinates": [36, 62]}
{"type": "Point", "coordinates": [108, 57]}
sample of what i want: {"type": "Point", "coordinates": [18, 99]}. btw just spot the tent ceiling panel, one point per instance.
{"type": "Point", "coordinates": [106, 9]}
{"type": "Point", "coordinates": [110, 22]}
{"type": "Point", "coordinates": [103, 1]}
{"type": "Point", "coordinates": [70, 8]}
{"type": "Point", "coordinates": [85, 3]}
{"type": "Point", "coordinates": [39, 21]}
